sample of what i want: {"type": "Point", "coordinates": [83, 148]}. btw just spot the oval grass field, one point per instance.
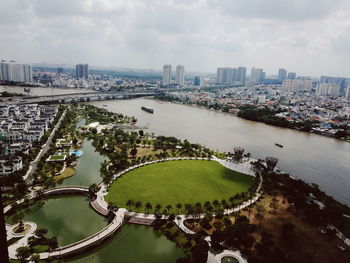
{"type": "Point", "coordinates": [173, 182]}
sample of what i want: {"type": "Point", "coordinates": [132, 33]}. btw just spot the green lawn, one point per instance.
{"type": "Point", "coordinates": [172, 182]}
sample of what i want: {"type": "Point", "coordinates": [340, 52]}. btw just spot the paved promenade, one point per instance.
{"type": "Point", "coordinates": [244, 167]}
{"type": "Point", "coordinates": [23, 242]}
{"type": "Point", "coordinates": [88, 242]}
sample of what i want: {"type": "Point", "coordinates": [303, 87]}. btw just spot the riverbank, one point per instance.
{"type": "Point", "coordinates": [268, 120]}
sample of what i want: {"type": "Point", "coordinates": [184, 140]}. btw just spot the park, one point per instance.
{"type": "Point", "coordinates": [177, 182]}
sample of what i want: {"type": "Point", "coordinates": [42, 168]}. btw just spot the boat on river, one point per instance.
{"type": "Point", "coordinates": [149, 110]}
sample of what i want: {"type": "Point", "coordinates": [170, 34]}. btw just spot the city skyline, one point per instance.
{"type": "Point", "coordinates": [136, 35]}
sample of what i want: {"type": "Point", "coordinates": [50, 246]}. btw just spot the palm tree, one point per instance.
{"type": "Point", "coordinates": [178, 206]}
{"type": "Point", "coordinates": [148, 206]}
{"type": "Point", "coordinates": [138, 205]}
{"type": "Point", "coordinates": [207, 204]}
{"type": "Point", "coordinates": [129, 203]}
{"type": "Point", "coordinates": [158, 207]}
{"type": "Point", "coordinates": [216, 203]}
{"type": "Point", "coordinates": [169, 207]}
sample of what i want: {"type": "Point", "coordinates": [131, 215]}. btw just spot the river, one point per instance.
{"type": "Point", "coordinates": [311, 157]}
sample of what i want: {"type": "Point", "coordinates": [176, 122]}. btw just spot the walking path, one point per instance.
{"type": "Point", "coordinates": [89, 241]}
{"type": "Point", "coordinates": [101, 206]}
{"type": "Point", "coordinates": [34, 164]}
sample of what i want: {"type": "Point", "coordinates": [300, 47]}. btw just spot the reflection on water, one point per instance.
{"type": "Point", "coordinates": [69, 218]}
{"type": "Point", "coordinates": [134, 243]}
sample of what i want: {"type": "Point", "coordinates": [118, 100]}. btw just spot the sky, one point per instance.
{"type": "Point", "coordinates": [310, 37]}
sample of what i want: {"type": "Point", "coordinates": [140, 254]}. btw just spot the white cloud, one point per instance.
{"type": "Point", "coordinates": [306, 36]}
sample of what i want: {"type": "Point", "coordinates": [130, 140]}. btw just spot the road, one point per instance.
{"type": "Point", "coordinates": [34, 164]}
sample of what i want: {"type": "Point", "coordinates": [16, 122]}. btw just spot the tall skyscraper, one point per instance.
{"type": "Point", "coordinates": [291, 75]}
{"type": "Point", "coordinates": [282, 74]}
{"type": "Point", "coordinates": [220, 76]}
{"type": "Point", "coordinates": [166, 75]}
{"type": "Point", "coordinates": [257, 75]}
{"type": "Point", "coordinates": [180, 75]}
{"type": "Point", "coordinates": [82, 71]}
{"type": "Point", "coordinates": [12, 71]}
{"type": "Point", "coordinates": [242, 71]}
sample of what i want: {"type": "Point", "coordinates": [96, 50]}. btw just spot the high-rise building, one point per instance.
{"type": "Point", "coordinates": [82, 71]}
{"type": "Point", "coordinates": [282, 74]}
{"type": "Point", "coordinates": [180, 75]}
{"type": "Point", "coordinates": [12, 71]}
{"type": "Point", "coordinates": [257, 75]}
{"type": "Point", "coordinates": [291, 75]}
{"type": "Point", "coordinates": [297, 84]}
{"type": "Point", "coordinates": [166, 75]}
{"type": "Point", "coordinates": [220, 75]}
{"type": "Point", "coordinates": [242, 71]}
{"type": "Point", "coordinates": [228, 76]}
{"type": "Point", "coordinates": [197, 81]}
{"type": "Point", "coordinates": [327, 89]}
{"type": "Point", "coordinates": [347, 93]}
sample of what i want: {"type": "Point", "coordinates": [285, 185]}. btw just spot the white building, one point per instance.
{"type": "Point", "coordinates": [327, 89]}
{"type": "Point", "coordinates": [166, 75]}
{"type": "Point", "coordinates": [180, 75]}
{"type": "Point", "coordinates": [257, 75]}
{"type": "Point", "coordinates": [11, 71]}
{"type": "Point", "coordinates": [296, 84]}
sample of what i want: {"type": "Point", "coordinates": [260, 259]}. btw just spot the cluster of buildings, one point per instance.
{"type": "Point", "coordinates": [230, 76]}
{"type": "Point", "coordinates": [297, 101]}
{"type": "Point", "coordinates": [20, 127]}
{"type": "Point", "coordinates": [236, 76]}
{"type": "Point", "coordinates": [179, 76]}
{"type": "Point", "coordinates": [15, 72]}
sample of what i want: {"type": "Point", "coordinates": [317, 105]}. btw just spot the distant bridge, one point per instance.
{"type": "Point", "coordinates": [78, 97]}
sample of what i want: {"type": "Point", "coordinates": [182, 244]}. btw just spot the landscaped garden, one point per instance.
{"type": "Point", "coordinates": [177, 182]}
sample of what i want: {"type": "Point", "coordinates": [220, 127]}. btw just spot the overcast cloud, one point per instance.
{"type": "Point", "coordinates": [311, 37]}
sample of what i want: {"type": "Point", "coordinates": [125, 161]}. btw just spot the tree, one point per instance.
{"type": "Point", "coordinates": [53, 243]}
{"type": "Point", "coordinates": [41, 232]}
{"type": "Point", "coordinates": [141, 133]}
{"type": "Point", "coordinates": [129, 203]}
{"type": "Point", "coordinates": [22, 253]}
{"type": "Point", "coordinates": [133, 152]}
{"type": "Point", "coordinates": [178, 206]}
{"type": "Point", "coordinates": [93, 189]}
{"type": "Point", "coordinates": [169, 207]}
{"type": "Point", "coordinates": [138, 205]}
{"type": "Point", "coordinates": [148, 206]}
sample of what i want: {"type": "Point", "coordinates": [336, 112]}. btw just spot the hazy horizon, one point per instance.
{"type": "Point", "coordinates": [308, 37]}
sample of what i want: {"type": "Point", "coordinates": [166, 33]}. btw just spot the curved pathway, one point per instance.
{"type": "Point", "coordinates": [88, 242]}
{"type": "Point", "coordinates": [244, 167]}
